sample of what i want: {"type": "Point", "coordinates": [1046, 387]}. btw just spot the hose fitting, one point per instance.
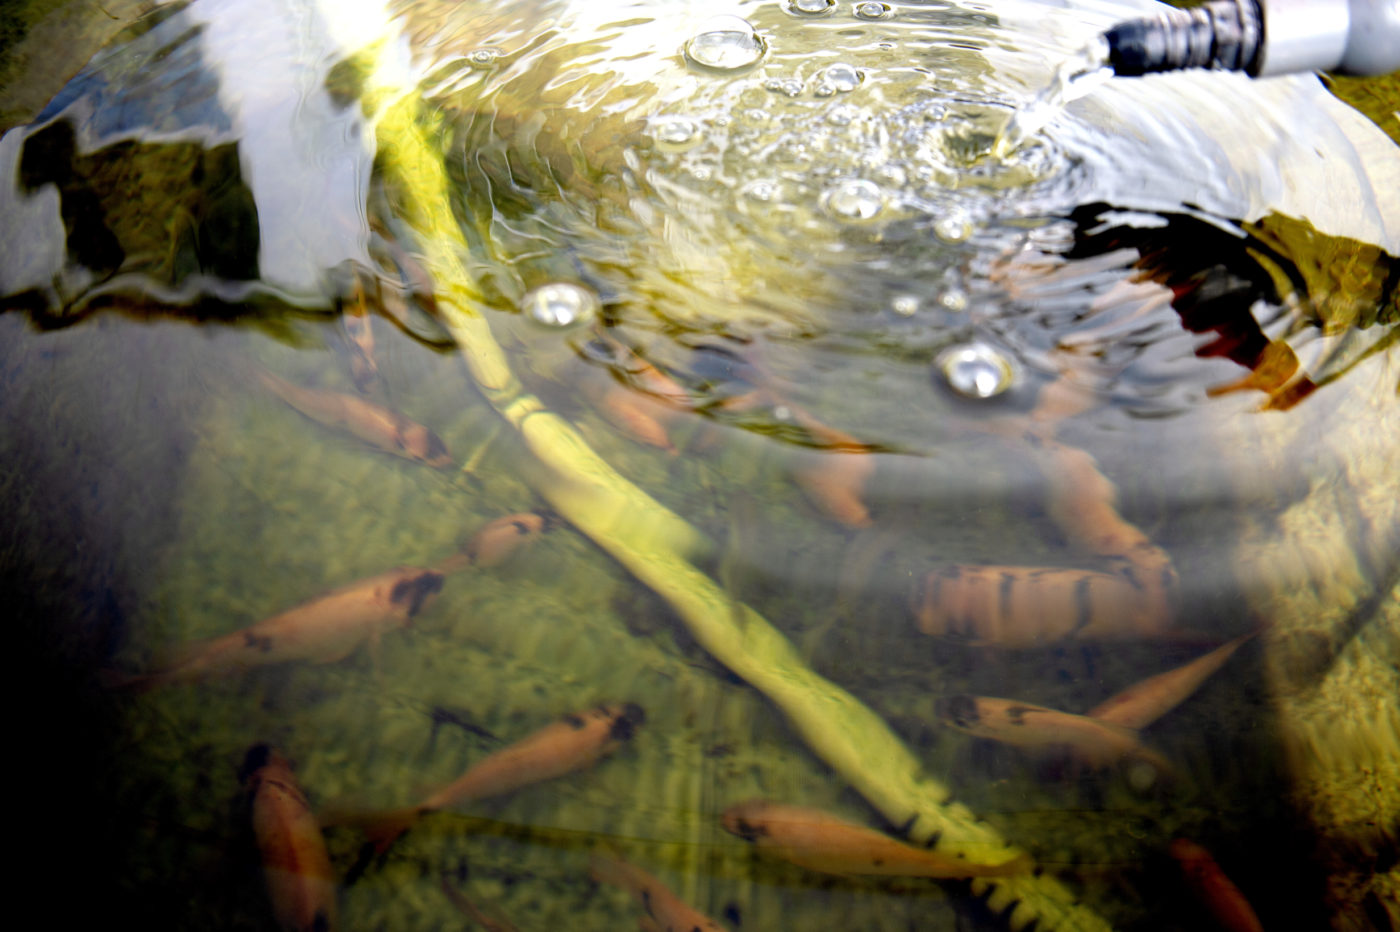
{"type": "Point", "coordinates": [1223, 34]}
{"type": "Point", "coordinates": [1262, 37]}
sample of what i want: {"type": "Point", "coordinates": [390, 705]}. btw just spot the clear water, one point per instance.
{"type": "Point", "coordinates": [1189, 280]}
{"type": "Point", "coordinates": [1074, 77]}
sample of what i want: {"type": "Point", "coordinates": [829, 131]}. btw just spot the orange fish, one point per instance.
{"type": "Point", "coordinates": [835, 482]}
{"type": "Point", "coordinates": [300, 882]}
{"type": "Point", "coordinates": [665, 912]}
{"type": "Point", "coordinates": [637, 415]}
{"type": "Point", "coordinates": [323, 630]}
{"type": "Point", "coordinates": [1037, 728]}
{"type": "Point", "coordinates": [1031, 606]}
{"type": "Point", "coordinates": [822, 842]}
{"type": "Point", "coordinates": [497, 541]}
{"type": "Point", "coordinates": [572, 743]}
{"type": "Point", "coordinates": [647, 402]}
{"type": "Point", "coordinates": [657, 384]}
{"type": "Point", "coordinates": [372, 423]}
{"type": "Point", "coordinates": [1143, 703]}
{"type": "Point", "coordinates": [1216, 892]}
{"type": "Point", "coordinates": [355, 321]}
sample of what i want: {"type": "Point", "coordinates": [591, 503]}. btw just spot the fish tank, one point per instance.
{"type": "Point", "coordinates": [740, 465]}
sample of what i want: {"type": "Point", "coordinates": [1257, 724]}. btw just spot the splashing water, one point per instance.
{"type": "Point", "coordinates": [1077, 76]}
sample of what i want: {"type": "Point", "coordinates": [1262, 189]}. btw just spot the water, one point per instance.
{"type": "Point", "coordinates": [1074, 77]}
{"type": "Point", "coordinates": [755, 302]}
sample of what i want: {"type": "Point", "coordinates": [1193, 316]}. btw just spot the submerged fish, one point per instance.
{"type": "Point", "coordinates": [665, 912]}
{"type": "Point", "coordinates": [835, 483]}
{"type": "Point", "coordinates": [1143, 703]}
{"type": "Point", "coordinates": [637, 415]}
{"type": "Point", "coordinates": [647, 402]}
{"type": "Point", "coordinates": [1031, 606]}
{"type": "Point", "coordinates": [359, 335]}
{"type": "Point", "coordinates": [1037, 728]}
{"type": "Point", "coordinates": [297, 868]}
{"type": "Point", "coordinates": [1216, 892]}
{"type": "Point", "coordinates": [572, 743]}
{"type": "Point", "coordinates": [376, 425]}
{"type": "Point", "coordinates": [323, 630]}
{"type": "Point", "coordinates": [823, 842]}
{"type": "Point", "coordinates": [497, 541]}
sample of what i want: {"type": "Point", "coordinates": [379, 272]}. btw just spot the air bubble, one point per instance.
{"type": "Point", "coordinates": [484, 58]}
{"type": "Point", "coordinates": [675, 131]}
{"type": "Point", "coordinates": [760, 191]}
{"type": "Point", "coordinates": [872, 9]}
{"type": "Point", "coordinates": [788, 87]}
{"type": "Point", "coordinates": [560, 304]}
{"type": "Point", "coordinates": [976, 370]}
{"type": "Point", "coordinates": [953, 299]}
{"type": "Point", "coordinates": [842, 115]}
{"type": "Point", "coordinates": [953, 227]}
{"type": "Point", "coordinates": [842, 77]}
{"type": "Point", "coordinates": [811, 7]}
{"type": "Point", "coordinates": [856, 199]}
{"type": "Point", "coordinates": [725, 43]}
{"type": "Point", "coordinates": [891, 175]}
{"type": "Point", "coordinates": [905, 305]}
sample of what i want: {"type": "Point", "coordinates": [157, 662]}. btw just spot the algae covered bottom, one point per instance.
{"type": "Point", "coordinates": [433, 379]}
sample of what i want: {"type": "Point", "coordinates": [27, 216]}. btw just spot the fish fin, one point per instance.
{"type": "Point", "coordinates": [385, 828]}
{"type": "Point", "coordinates": [606, 866]}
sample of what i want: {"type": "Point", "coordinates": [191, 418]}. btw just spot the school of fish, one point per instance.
{"type": "Point", "coordinates": [1129, 593]}
{"type": "Point", "coordinates": [1010, 607]}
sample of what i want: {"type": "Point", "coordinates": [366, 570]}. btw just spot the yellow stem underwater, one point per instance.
{"type": "Point", "coordinates": [656, 545]}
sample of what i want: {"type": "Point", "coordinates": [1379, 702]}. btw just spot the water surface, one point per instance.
{"type": "Point", "coordinates": [1191, 279]}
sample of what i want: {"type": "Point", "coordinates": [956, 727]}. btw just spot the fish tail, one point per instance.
{"type": "Point", "coordinates": [455, 563]}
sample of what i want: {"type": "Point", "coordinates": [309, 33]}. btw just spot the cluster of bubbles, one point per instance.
{"type": "Point", "coordinates": [867, 9]}
{"type": "Point", "coordinates": [867, 135]}
{"type": "Point", "coordinates": [846, 144]}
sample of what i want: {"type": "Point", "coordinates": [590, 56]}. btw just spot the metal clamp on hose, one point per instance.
{"type": "Point", "coordinates": [1262, 37]}
{"type": "Point", "coordinates": [1220, 34]}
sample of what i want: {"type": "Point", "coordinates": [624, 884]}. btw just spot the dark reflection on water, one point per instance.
{"type": "Point", "coordinates": [1199, 439]}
